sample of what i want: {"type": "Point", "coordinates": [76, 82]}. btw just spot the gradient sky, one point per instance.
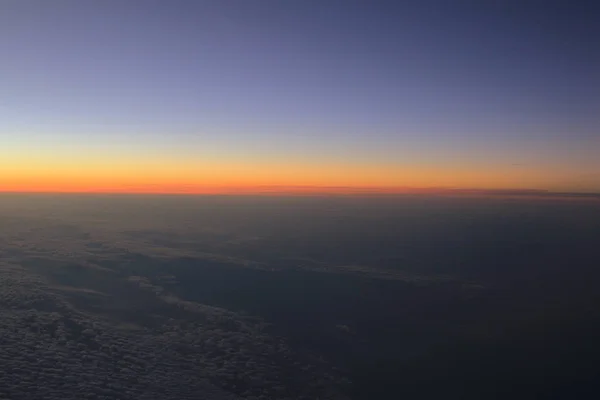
{"type": "Point", "coordinates": [206, 95]}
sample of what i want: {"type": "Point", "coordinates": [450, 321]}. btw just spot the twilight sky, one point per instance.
{"type": "Point", "coordinates": [215, 95]}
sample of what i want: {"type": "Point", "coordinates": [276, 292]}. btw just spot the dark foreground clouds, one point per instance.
{"type": "Point", "coordinates": [73, 342]}
{"type": "Point", "coordinates": [223, 298]}
{"type": "Point", "coordinates": [83, 315]}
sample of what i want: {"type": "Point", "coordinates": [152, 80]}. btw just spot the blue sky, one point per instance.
{"type": "Point", "coordinates": [420, 80]}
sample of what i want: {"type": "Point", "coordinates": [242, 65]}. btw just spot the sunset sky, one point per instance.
{"type": "Point", "coordinates": [238, 95]}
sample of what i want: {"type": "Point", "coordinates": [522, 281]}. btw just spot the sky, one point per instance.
{"type": "Point", "coordinates": [237, 95]}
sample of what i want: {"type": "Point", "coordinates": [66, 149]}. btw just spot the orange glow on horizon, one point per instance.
{"type": "Point", "coordinates": [130, 175]}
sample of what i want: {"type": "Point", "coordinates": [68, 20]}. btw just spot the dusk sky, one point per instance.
{"type": "Point", "coordinates": [210, 96]}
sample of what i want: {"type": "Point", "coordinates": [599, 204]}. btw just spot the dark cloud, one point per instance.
{"type": "Point", "coordinates": [192, 298]}
{"type": "Point", "coordinates": [84, 313]}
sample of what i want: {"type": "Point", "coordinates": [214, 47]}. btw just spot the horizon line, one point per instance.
{"type": "Point", "coordinates": [307, 190]}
